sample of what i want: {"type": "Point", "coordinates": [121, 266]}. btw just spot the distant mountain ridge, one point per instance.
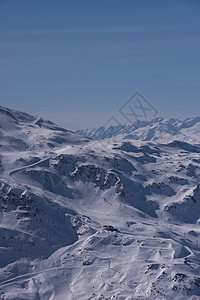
{"type": "Point", "coordinates": [157, 130]}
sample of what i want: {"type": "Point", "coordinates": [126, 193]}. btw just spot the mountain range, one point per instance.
{"type": "Point", "coordinates": [88, 215]}
{"type": "Point", "coordinates": [156, 130]}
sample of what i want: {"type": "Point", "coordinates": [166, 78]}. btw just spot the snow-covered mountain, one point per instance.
{"type": "Point", "coordinates": [88, 219]}
{"type": "Point", "coordinates": [157, 130]}
{"type": "Point", "coordinates": [20, 131]}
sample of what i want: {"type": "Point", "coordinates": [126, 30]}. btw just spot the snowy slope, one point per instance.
{"type": "Point", "coordinates": [87, 219]}
{"type": "Point", "coordinates": [159, 130]}
{"type": "Point", "coordinates": [20, 131]}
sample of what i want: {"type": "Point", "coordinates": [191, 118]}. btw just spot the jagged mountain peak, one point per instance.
{"type": "Point", "coordinates": [158, 129]}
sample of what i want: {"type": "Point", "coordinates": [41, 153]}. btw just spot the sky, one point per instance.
{"type": "Point", "coordinates": [78, 62]}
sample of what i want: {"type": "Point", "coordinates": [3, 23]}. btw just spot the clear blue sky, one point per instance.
{"type": "Point", "coordinates": [76, 62]}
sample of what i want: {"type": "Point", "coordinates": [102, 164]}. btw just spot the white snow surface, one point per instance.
{"type": "Point", "coordinates": [80, 218]}
{"type": "Point", "coordinates": [157, 130]}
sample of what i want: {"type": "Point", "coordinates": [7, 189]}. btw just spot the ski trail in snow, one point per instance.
{"type": "Point", "coordinates": [41, 161]}
{"type": "Point", "coordinates": [29, 166]}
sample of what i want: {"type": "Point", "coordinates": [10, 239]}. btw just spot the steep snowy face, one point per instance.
{"type": "Point", "coordinates": [159, 130]}
{"type": "Point", "coordinates": [20, 132]}
{"type": "Point", "coordinates": [31, 226]}
{"type": "Point", "coordinates": [87, 219]}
